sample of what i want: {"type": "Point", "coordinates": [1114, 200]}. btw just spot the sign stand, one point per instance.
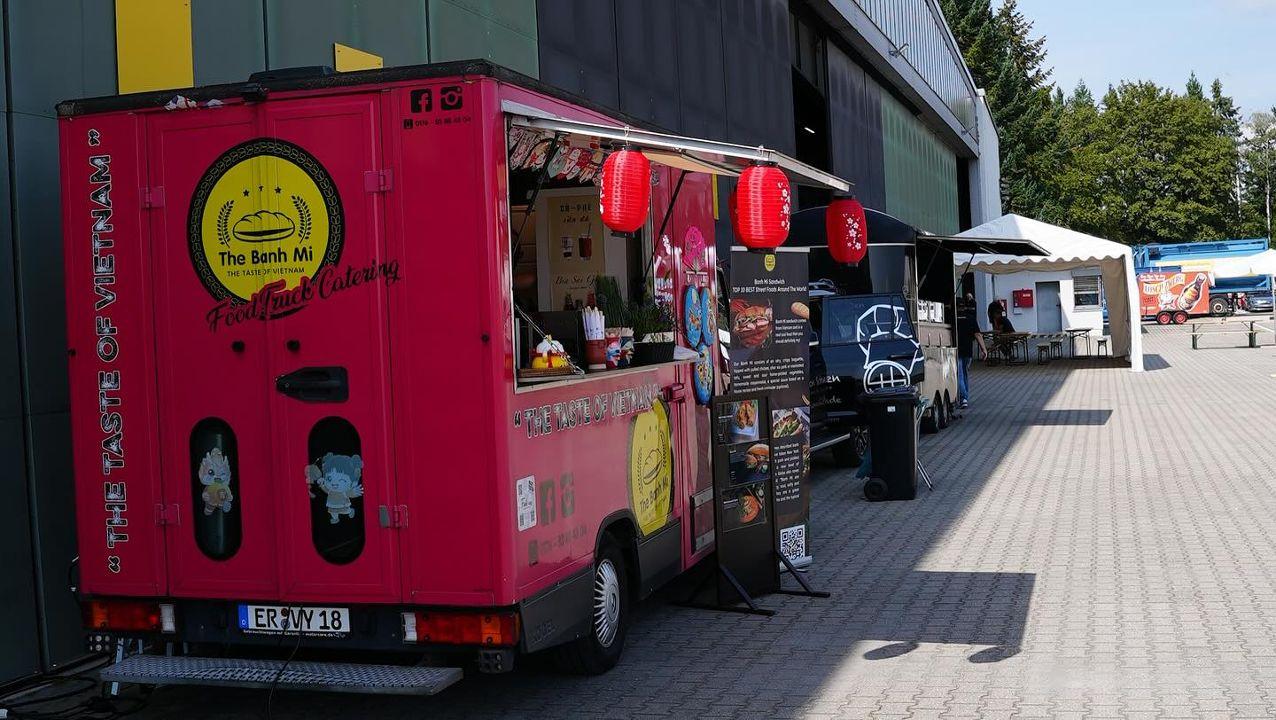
{"type": "Point", "coordinates": [751, 606]}
{"type": "Point", "coordinates": [761, 437]}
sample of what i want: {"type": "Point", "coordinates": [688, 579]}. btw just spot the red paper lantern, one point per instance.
{"type": "Point", "coordinates": [624, 194]}
{"type": "Point", "coordinates": [847, 230]}
{"type": "Point", "coordinates": [763, 204]}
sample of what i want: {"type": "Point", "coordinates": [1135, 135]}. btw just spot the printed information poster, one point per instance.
{"type": "Point", "coordinates": [577, 248]}
{"type": "Point", "coordinates": [770, 344]}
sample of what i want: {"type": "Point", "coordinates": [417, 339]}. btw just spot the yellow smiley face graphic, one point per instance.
{"type": "Point", "coordinates": [266, 211]}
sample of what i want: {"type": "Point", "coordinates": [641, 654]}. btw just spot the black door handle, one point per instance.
{"type": "Point", "coordinates": [316, 384]}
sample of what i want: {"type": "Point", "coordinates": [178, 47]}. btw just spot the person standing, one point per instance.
{"type": "Point", "coordinates": [968, 335]}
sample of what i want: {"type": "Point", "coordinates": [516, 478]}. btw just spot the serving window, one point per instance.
{"type": "Point", "coordinates": [560, 247]}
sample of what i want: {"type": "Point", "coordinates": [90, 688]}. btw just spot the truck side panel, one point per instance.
{"type": "Point", "coordinates": [584, 455]}
{"type": "Point", "coordinates": [110, 332]}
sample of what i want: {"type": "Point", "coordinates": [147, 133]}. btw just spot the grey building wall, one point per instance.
{"type": "Point", "coordinates": [55, 50]}
{"type": "Point", "coordinates": [855, 113]}
{"type": "Point", "coordinates": [668, 62]}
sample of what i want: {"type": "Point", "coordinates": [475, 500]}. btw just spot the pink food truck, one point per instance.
{"type": "Point", "coordinates": [316, 413]}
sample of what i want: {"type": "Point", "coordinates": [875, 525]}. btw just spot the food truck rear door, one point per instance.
{"type": "Point", "coordinates": [270, 311]}
{"type": "Point", "coordinates": [329, 359]}
{"type": "Point", "coordinates": [214, 419]}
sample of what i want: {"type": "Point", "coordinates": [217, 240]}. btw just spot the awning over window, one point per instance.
{"type": "Point", "coordinates": [677, 151]}
{"type": "Point", "coordinates": [984, 246]}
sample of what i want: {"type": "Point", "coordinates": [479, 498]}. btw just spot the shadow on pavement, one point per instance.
{"type": "Point", "coordinates": [875, 559]}
{"type": "Point", "coordinates": [1071, 417]}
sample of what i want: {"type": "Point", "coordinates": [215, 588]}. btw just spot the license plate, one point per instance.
{"type": "Point", "coordinates": [294, 619]}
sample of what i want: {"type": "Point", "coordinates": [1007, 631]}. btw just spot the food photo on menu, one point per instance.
{"type": "Point", "coordinates": [789, 422]}
{"type": "Point", "coordinates": [744, 506]}
{"type": "Point", "coordinates": [744, 421]}
{"type": "Point", "coordinates": [749, 464]}
{"type": "Point", "coordinates": [751, 326]}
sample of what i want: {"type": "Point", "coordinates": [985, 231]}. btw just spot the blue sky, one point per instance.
{"type": "Point", "coordinates": [1106, 41]}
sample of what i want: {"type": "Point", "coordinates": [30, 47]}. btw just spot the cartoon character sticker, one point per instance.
{"type": "Point", "coordinates": [214, 475]}
{"type": "Point", "coordinates": [339, 476]}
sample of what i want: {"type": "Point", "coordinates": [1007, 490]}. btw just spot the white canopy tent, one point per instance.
{"type": "Point", "coordinates": [1263, 263]}
{"type": "Point", "coordinates": [1069, 250]}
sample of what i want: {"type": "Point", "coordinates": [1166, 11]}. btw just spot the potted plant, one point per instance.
{"type": "Point", "coordinates": [653, 325]}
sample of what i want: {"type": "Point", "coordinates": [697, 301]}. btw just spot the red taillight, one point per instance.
{"type": "Point", "coordinates": [461, 628]}
{"type": "Point", "coordinates": [124, 615]}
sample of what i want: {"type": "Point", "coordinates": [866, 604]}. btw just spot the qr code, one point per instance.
{"type": "Point", "coordinates": [526, 497]}
{"type": "Point", "coordinates": [793, 542]}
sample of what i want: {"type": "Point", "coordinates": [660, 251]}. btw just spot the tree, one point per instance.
{"type": "Point", "coordinates": [1258, 155]}
{"type": "Point", "coordinates": [1156, 167]}
{"type": "Point", "coordinates": [1194, 88]}
{"type": "Point", "coordinates": [1227, 116]}
{"type": "Point", "coordinates": [1073, 201]}
{"type": "Point", "coordinates": [1010, 64]}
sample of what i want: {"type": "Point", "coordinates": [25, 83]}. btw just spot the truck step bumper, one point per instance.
{"type": "Point", "coordinates": [234, 672]}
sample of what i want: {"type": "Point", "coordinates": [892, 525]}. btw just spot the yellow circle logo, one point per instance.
{"type": "Point", "coordinates": [266, 212]}
{"type": "Point", "coordinates": [768, 262]}
{"type": "Point", "coordinates": [651, 468]}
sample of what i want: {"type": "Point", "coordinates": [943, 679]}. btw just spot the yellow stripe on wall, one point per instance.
{"type": "Point", "coordinates": [153, 45]}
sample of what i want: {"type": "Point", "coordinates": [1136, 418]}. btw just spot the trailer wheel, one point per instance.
{"type": "Point", "coordinates": [599, 650]}
{"type": "Point", "coordinates": [1218, 307]}
{"type": "Point", "coordinates": [931, 422]}
{"type": "Point", "coordinates": [1164, 318]}
{"type": "Point", "coordinates": [1180, 318]}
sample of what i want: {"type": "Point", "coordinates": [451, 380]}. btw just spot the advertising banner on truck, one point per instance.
{"type": "Point", "coordinates": [1188, 292]}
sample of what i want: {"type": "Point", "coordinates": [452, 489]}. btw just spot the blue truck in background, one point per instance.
{"type": "Point", "coordinates": [1226, 295]}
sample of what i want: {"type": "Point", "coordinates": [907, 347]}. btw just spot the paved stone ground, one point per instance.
{"type": "Point", "coordinates": [1101, 544]}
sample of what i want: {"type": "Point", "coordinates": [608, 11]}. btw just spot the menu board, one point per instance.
{"type": "Point", "coordinates": [577, 248]}
{"type": "Point", "coordinates": [770, 349]}
{"type": "Point", "coordinates": [763, 421]}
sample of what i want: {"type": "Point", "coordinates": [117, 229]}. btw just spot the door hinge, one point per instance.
{"type": "Point", "coordinates": [378, 180]}
{"type": "Point", "coordinates": [168, 514]}
{"type": "Point", "coordinates": [393, 516]}
{"type": "Point", "coordinates": [153, 197]}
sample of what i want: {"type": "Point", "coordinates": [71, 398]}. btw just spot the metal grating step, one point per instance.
{"type": "Point", "coordinates": [234, 672]}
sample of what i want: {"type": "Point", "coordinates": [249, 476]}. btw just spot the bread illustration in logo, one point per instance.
{"type": "Point", "coordinates": [263, 226]}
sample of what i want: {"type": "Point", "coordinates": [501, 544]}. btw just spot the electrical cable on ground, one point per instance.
{"type": "Point", "coordinates": [270, 696]}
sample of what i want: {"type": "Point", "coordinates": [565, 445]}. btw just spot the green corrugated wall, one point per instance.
{"type": "Point", "coordinates": [921, 174]}
{"type": "Point", "coordinates": [233, 38]}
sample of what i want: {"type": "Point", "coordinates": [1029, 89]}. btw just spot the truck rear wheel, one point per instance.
{"type": "Point", "coordinates": [1218, 306]}
{"type": "Point", "coordinates": [599, 650]}
{"type": "Point", "coordinates": [1180, 317]}
{"type": "Point", "coordinates": [1164, 318]}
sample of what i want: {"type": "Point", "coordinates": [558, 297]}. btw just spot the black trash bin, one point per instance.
{"type": "Point", "coordinates": [892, 430]}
